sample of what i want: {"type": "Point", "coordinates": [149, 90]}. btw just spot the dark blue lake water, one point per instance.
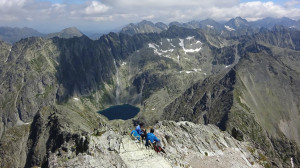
{"type": "Point", "coordinates": [123, 112]}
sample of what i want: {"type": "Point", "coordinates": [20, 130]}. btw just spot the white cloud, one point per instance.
{"type": "Point", "coordinates": [11, 3]}
{"type": "Point", "coordinates": [8, 18]}
{"type": "Point", "coordinates": [119, 12]}
{"type": "Point", "coordinates": [149, 17]}
{"type": "Point", "coordinates": [292, 3]}
{"type": "Point", "coordinates": [95, 8]}
{"type": "Point", "coordinates": [167, 3]}
{"type": "Point", "coordinates": [259, 9]}
{"type": "Point", "coordinates": [99, 18]}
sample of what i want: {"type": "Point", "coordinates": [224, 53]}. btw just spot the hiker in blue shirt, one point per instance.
{"type": "Point", "coordinates": [151, 137]}
{"type": "Point", "coordinates": [135, 135]}
{"type": "Point", "coordinates": [139, 129]}
{"type": "Point", "coordinates": [154, 140]}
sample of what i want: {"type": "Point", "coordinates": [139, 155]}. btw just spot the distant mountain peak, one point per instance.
{"type": "Point", "coordinates": [239, 18]}
{"type": "Point", "coordinates": [175, 23]}
{"type": "Point", "coordinates": [143, 22]}
{"type": "Point", "coordinates": [144, 26]}
{"type": "Point", "coordinates": [72, 30]}
{"type": "Point", "coordinates": [12, 35]}
{"type": "Point", "coordinates": [270, 22]}
{"type": "Point", "coordinates": [66, 33]}
{"type": "Point", "coordinates": [237, 22]}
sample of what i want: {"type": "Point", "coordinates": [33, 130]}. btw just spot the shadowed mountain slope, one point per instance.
{"type": "Point", "coordinates": [245, 83]}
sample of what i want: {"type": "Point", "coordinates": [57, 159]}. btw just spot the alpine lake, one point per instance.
{"type": "Point", "coordinates": [123, 112]}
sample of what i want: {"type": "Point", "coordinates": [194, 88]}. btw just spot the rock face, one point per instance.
{"type": "Point", "coordinates": [191, 146]}
{"type": "Point", "coordinates": [13, 146]}
{"type": "Point", "coordinates": [244, 82]}
{"type": "Point", "coordinates": [60, 137]}
{"type": "Point", "coordinates": [247, 96]}
{"type": "Point", "coordinates": [115, 69]}
{"type": "Point", "coordinates": [62, 131]}
{"type": "Point", "coordinates": [28, 80]}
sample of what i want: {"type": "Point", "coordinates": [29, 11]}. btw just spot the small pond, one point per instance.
{"type": "Point", "coordinates": [123, 112]}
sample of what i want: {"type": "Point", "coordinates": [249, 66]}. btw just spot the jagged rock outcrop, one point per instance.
{"type": "Point", "coordinates": [237, 22]}
{"type": "Point", "coordinates": [243, 100]}
{"type": "Point", "coordinates": [13, 146]}
{"type": "Point", "coordinates": [186, 145]}
{"type": "Point", "coordinates": [54, 130]}
{"type": "Point", "coordinates": [60, 137]}
{"type": "Point", "coordinates": [209, 102]}
{"type": "Point", "coordinates": [28, 80]}
{"type": "Point", "coordinates": [248, 86]}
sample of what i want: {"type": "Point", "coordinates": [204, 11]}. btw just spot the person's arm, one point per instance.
{"type": "Point", "coordinates": [156, 139]}
{"type": "Point", "coordinates": [140, 131]}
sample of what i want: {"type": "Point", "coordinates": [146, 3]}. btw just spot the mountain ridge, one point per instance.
{"type": "Point", "coordinates": [52, 88]}
{"type": "Point", "coordinates": [8, 34]}
{"type": "Point", "coordinates": [66, 33]}
{"type": "Point", "coordinates": [12, 35]}
{"type": "Point", "coordinates": [232, 24]}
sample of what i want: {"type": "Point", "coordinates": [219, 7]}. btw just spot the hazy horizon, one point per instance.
{"type": "Point", "coordinates": [102, 16]}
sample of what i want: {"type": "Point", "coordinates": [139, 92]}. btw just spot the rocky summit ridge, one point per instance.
{"type": "Point", "coordinates": [215, 97]}
{"type": "Point", "coordinates": [186, 145]}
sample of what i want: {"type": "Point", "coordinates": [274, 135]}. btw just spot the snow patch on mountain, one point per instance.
{"type": "Point", "coordinates": [192, 50]}
{"type": "Point", "coordinates": [196, 70]}
{"type": "Point", "coordinates": [158, 51]}
{"type": "Point", "coordinates": [229, 28]}
{"type": "Point", "coordinates": [155, 49]}
{"type": "Point", "coordinates": [190, 37]}
{"type": "Point", "coordinates": [191, 71]}
{"type": "Point", "coordinates": [181, 44]}
{"type": "Point", "coordinates": [210, 26]}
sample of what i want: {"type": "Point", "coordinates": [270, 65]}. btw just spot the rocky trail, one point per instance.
{"type": "Point", "coordinates": [137, 155]}
{"type": "Point", "coordinates": [193, 145]}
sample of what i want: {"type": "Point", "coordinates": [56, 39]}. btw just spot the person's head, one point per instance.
{"type": "Point", "coordinates": [141, 124]}
{"type": "Point", "coordinates": [152, 130]}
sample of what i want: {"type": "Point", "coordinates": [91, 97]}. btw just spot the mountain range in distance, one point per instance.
{"type": "Point", "coordinates": [217, 93]}
{"type": "Point", "coordinates": [12, 35]}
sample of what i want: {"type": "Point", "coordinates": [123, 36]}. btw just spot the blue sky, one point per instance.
{"type": "Point", "coordinates": [104, 15]}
